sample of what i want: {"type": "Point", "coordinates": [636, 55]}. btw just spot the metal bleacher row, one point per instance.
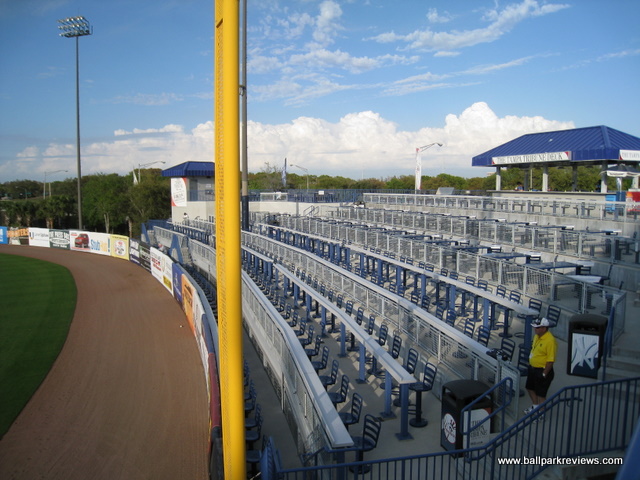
{"type": "Point", "coordinates": [379, 315]}
{"type": "Point", "coordinates": [524, 280]}
{"type": "Point", "coordinates": [300, 304]}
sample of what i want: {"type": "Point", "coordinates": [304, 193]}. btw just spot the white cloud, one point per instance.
{"type": "Point", "coordinates": [138, 131]}
{"type": "Point", "coordinates": [128, 149]}
{"type": "Point", "coordinates": [446, 54]}
{"type": "Point", "coordinates": [367, 141]}
{"type": "Point", "coordinates": [258, 64]}
{"type": "Point", "coordinates": [361, 143]}
{"type": "Point", "coordinates": [326, 23]}
{"type": "Point", "coordinates": [484, 69]}
{"type": "Point", "coordinates": [502, 22]}
{"type": "Point", "coordinates": [296, 24]}
{"type": "Point", "coordinates": [325, 59]}
{"type": "Point", "coordinates": [431, 81]}
{"type": "Point", "coordinates": [604, 58]}
{"type": "Point", "coordinates": [319, 87]}
{"type": "Point", "coordinates": [434, 17]}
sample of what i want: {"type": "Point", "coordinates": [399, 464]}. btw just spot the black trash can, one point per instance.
{"type": "Point", "coordinates": [455, 396]}
{"type": "Point", "coordinates": [586, 344]}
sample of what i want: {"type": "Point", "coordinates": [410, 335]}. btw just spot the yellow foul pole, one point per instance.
{"type": "Point", "coordinates": [227, 182]}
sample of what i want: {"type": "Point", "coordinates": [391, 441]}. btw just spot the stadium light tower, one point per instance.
{"type": "Point", "coordinates": [76, 27]}
{"type": "Point", "coordinates": [146, 165]}
{"type": "Point", "coordinates": [44, 187]}
{"type": "Point", "coordinates": [306, 172]}
{"type": "Point", "coordinates": [419, 150]}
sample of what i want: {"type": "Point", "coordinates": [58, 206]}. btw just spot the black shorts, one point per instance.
{"type": "Point", "coordinates": [536, 382]}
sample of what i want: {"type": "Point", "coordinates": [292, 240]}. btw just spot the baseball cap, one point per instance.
{"type": "Point", "coordinates": [541, 322]}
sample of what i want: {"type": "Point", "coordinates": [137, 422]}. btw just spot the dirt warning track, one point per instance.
{"type": "Point", "coordinates": [126, 398]}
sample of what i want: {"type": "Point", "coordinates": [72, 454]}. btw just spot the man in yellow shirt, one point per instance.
{"type": "Point", "coordinates": [541, 360]}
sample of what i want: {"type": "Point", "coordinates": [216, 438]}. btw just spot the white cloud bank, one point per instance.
{"type": "Point", "coordinates": [501, 22]}
{"type": "Point", "coordinates": [359, 145]}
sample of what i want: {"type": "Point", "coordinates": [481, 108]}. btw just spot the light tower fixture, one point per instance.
{"type": "Point", "coordinates": [44, 186]}
{"type": "Point", "coordinates": [306, 171]}
{"type": "Point", "coordinates": [76, 27]}
{"type": "Point", "coordinates": [419, 150]}
{"type": "Point", "coordinates": [146, 165]}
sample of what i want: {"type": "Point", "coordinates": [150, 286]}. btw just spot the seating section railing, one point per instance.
{"type": "Point", "coordinates": [307, 405]}
{"type": "Point", "coordinates": [575, 422]}
{"type": "Point", "coordinates": [459, 355]}
{"type": "Point", "coordinates": [531, 282]}
{"type": "Point", "coordinates": [611, 210]}
{"type": "Point", "coordinates": [588, 408]}
{"type": "Point", "coordinates": [555, 239]}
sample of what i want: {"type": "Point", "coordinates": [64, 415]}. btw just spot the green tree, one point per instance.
{"type": "Point", "coordinates": [149, 199]}
{"type": "Point", "coordinates": [8, 211]}
{"type": "Point", "coordinates": [22, 212]}
{"type": "Point", "coordinates": [369, 184]}
{"type": "Point", "coordinates": [269, 178]}
{"type": "Point", "coordinates": [104, 201]}
{"type": "Point", "coordinates": [481, 183]}
{"type": "Point", "coordinates": [510, 178]}
{"type": "Point", "coordinates": [22, 189]}
{"type": "Point", "coordinates": [55, 210]}
{"type": "Point", "coordinates": [404, 182]}
{"type": "Point", "coordinates": [325, 182]}
{"type": "Point", "coordinates": [444, 180]}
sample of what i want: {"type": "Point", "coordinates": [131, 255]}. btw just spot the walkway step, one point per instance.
{"type": "Point", "coordinates": [630, 364]}
{"type": "Point", "coordinates": [619, 373]}
{"type": "Point", "coordinates": [626, 352]}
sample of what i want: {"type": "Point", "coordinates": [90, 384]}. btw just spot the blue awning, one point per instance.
{"type": "Point", "coordinates": [564, 147]}
{"type": "Point", "coordinates": [190, 169]}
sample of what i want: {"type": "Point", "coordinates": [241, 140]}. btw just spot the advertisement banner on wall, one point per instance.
{"type": "Point", "coordinates": [188, 295]}
{"type": "Point", "coordinates": [16, 233]}
{"type": "Point", "coordinates": [193, 312]}
{"type": "Point", "coordinates": [79, 241]}
{"type": "Point", "coordinates": [167, 273]}
{"type": "Point", "coordinates": [145, 256]}
{"type": "Point", "coordinates": [39, 237]}
{"type": "Point", "coordinates": [4, 238]}
{"type": "Point", "coordinates": [199, 334]}
{"type": "Point", "coordinates": [157, 267]}
{"type": "Point", "coordinates": [179, 192]}
{"type": "Point", "coordinates": [120, 246]}
{"type": "Point", "coordinates": [161, 268]}
{"type": "Point", "coordinates": [134, 251]}
{"type": "Point", "coordinates": [93, 242]}
{"type": "Point", "coordinates": [59, 239]}
{"type": "Point", "coordinates": [177, 283]}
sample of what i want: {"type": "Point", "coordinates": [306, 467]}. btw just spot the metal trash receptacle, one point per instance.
{"type": "Point", "coordinates": [586, 344]}
{"type": "Point", "coordinates": [455, 396]}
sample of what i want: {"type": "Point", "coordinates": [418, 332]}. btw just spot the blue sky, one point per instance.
{"type": "Point", "coordinates": [338, 87]}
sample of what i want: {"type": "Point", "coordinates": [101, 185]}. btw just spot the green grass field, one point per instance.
{"type": "Point", "coordinates": [37, 301]}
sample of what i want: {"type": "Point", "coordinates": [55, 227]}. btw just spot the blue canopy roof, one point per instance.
{"type": "Point", "coordinates": [563, 147]}
{"type": "Point", "coordinates": [190, 169]}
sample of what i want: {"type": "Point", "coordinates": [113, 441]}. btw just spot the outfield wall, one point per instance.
{"type": "Point", "coordinates": [169, 274]}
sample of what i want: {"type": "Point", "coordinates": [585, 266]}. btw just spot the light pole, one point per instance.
{"type": "Point", "coordinates": [419, 150]}
{"type": "Point", "coordinates": [44, 186]}
{"type": "Point", "coordinates": [305, 171]}
{"type": "Point", "coordinates": [244, 159]}
{"type": "Point", "coordinates": [147, 165]}
{"type": "Point", "coordinates": [77, 27]}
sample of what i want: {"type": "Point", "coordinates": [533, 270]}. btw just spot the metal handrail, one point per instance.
{"type": "Point", "coordinates": [505, 389]}
{"type": "Point", "coordinates": [617, 211]}
{"type": "Point", "coordinates": [606, 424]}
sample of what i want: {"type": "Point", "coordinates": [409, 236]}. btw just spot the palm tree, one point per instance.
{"type": "Point", "coordinates": [54, 208]}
